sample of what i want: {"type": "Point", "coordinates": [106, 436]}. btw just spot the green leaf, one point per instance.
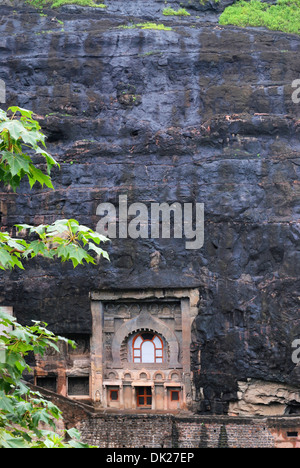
{"type": "Point", "coordinates": [20, 227]}
{"type": "Point", "coordinates": [64, 251]}
{"type": "Point", "coordinates": [17, 262]}
{"type": "Point", "coordinates": [8, 441]}
{"type": "Point", "coordinates": [75, 439]}
{"type": "Point", "coordinates": [16, 243]}
{"type": "Point", "coordinates": [60, 226]}
{"type": "Point", "coordinates": [5, 403]}
{"type": "Point", "coordinates": [23, 112]}
{"type": "Point", "coordinates": [5, 258]}
{"type": "Point", "coordinates": [3, 115]}
{"type": "Point", "coordinates": [98, 237]}
{"type": "Point", "coordinates": [78, 445]}
{"type": "Point", "coordinates": [73, 433]}
{"type": "Point", "coordinates": [35, 248]}
{"type": "Point", "coordinates": [74, 253]}
{"type": "Point", "coordinates": [18, 131]}
{"type": "Point", "coordinates": [6, 319]}
{"type": "Point", "coordinates": [49, 159]}
{"type": "Point", "coordinates": [14, 127]}
{"type": "Point", "coordinates": [16, 162]}
{"type": "Point", "coordinates": [98, 251]}
{"type": "Point", "coordinates": [36, 175]}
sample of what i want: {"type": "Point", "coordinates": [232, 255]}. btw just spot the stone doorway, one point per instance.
{"type": "Point", "coordinates": [144, 397]}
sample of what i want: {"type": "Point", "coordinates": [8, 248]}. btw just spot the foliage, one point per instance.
{"type": "Point", "coordinates": [59, 3]}
{"type": "Point", "coordinates": [22, 146]}
{"type": "Point", "coordinates": [284, 16]}
{"type": "Point", "coordinates": [88, 3]}
{"type": "Point", "coordinates": [204, 2]}
{"type": "Point", "coordinates": [26, 419]}
{"type": "Point", "coordinates": [160, 27]}
{"type": "Point", "coordinates": [65, 239]}
{"type": "Point", "coordinates": [171, 12]}
{"type": "Point", "coordinates": [16, 135]}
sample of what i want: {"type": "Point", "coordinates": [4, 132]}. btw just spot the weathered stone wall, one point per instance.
{"type": "Point", "coordinates": [119, 430]}
{"type": "Point", "coordinates": [200, 113]}
{"type": "Point", "coordinates": [158, 431]}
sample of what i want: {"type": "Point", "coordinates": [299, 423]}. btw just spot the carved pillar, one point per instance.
{"type": "Point", "coordinates": [186, 350]}
{"type": "Point", "coordinates": [134, 397]}
{"type": "Point", "coordinates": [165, 398]}
{"type": "Point", "coordinates": [121, 397]}
{"type": "Point", "coordinates": [61, 385]}
{"type": "Point", "coordinates": [153, 397]}
{"type": "Point", "coordinates": [97, 352]}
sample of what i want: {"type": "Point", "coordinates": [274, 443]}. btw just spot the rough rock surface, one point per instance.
{"type": "Point", "coordinates": [202, 113]}
{"type": "Point", "coordinates": [264, 398]}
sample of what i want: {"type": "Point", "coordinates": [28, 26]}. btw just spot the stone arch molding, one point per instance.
{"type": "Point", "coordinates": [124, 345]}
{"type": "Point", "coordinates": [145, 321]}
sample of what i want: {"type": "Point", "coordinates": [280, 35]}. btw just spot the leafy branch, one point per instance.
{"type": "Point", "coordinates": [19, 135]}
{"type": "Point", "coordinates": [20, 141]}
{"type": "Point", "coordinates": [25, 414]}
{"type": "Point", "coordinates": [65, 239]}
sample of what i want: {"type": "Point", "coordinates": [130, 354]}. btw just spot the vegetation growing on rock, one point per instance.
{"type": "Point", "coordinates": [59, 3]}
{"type": "Point", "coordinates": [160, 27]}
{"type": "Point", "coordinates": [284, 16]}
{"type": "Point", "coordinates": [171, 12]}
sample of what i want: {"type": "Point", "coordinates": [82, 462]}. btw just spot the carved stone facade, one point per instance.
{"type": "Point", "coordinates": [66, 372]}
{"type": "Point", "coordinates": [137, 358]}
{"type": "Point", "coordinates": [140, 350]}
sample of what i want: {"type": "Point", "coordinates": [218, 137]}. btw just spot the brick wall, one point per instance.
{"type": "Point", "coordinates": [224, 433]}
{"type": "Point", "coordinates": [119, 430]}
{"type": "Point", "coordinates": [169, 431]}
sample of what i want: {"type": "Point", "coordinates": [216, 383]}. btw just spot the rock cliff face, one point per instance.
{"type": "Point", "coordinates": [199, 113]}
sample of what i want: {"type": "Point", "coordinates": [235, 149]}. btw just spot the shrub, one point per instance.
{"type": "Point", "coordinates": [284, 16]}
{"type": "Point", "coordinates": [170, 12]}
{"type": "Point", "coordinates": [59, 3]}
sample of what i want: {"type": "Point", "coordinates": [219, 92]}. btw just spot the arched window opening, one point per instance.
{"type": "Point", "coordinates": [147, 347]}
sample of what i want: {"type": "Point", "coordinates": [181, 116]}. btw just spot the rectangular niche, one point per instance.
{"type": "Point", "coordinates": [48, 383]}
{"type": "Point", "coordinates": [78, 386]}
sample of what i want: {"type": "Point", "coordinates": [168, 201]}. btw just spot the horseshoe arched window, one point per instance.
{"type": "Point", "coordinates": [147, 347]}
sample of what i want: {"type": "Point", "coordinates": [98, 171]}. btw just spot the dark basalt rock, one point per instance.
{"type": "Point", "coordinates": [200, 113]}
